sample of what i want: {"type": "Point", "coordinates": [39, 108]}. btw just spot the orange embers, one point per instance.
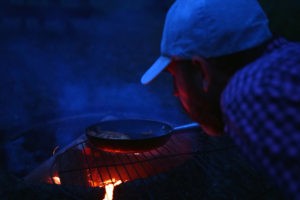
{"type": "Point", "coordinates": [87, 166]}
{"type": "Point", "coordinates": [56, 180]}
{"type": "Point", "coordinates": [109, 186]}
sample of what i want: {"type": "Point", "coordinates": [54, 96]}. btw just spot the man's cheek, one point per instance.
{"type": "Point", "coordinates": [185, 104]}
{"type": "Point", "coordinates": [211, 130]}
{"type": "Point", "coordinates": [189, 108]}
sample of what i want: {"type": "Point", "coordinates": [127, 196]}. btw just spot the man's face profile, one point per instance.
{"type": "Point", "coordinates": [201, 105]}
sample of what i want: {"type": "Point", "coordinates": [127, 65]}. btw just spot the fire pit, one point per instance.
{"type": "Point", "coordinates": [85, 165]}
{"type": "Point", "coordinates": [94, 167]}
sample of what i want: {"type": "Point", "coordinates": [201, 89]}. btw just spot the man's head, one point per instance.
{"type": "Point", "coordinates": [196, 32]}
{"type": "Point", "coordinates": [193, 86]}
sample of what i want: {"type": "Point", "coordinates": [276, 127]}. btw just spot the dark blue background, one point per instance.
{"type": "Point", "coordinates": [63, 60]}
{"type": "Point", "coordinates": [72, 63]}
{"type": "Point", "coordinates": [68, 63]}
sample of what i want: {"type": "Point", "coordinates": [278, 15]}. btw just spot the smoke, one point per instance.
{"type": "Point", "coordinates": [54, 84]}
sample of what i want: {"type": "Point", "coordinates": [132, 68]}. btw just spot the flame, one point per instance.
{"type": "Point", "coordinates": [109, 190]}
{"type": "Point", "coordinates": [109, 186]}
{"type": "Point", "coordinates": [56, 180]}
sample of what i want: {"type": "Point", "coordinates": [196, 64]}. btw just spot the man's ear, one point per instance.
{"type": "Point", "coordinates": [203, 66]}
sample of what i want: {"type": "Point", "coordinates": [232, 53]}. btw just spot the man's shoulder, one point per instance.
{"type": "Point", "coordinates": [270, 81]}
{"type": "Point", "coordinates": [261, 112]}
{"type": "Point", "coordinates": [280, 53]}
{"type": "Point", "coordinates": [279, 65]}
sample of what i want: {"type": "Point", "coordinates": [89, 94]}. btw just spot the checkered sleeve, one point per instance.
{"type": "Point", "coordinates": [261, 106]}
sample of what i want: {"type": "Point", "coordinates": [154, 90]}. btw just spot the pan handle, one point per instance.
{"type": "Point", "coordinates": [186, 126]}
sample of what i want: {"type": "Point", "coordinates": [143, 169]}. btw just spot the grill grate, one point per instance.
{"type": "Point", "coordinates": [189, 165]}
{"type": "Point", "coordinates": [94, 167]}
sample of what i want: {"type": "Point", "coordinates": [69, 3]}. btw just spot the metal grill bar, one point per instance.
{"type": "Point", "coordinates": [100, 167]}
{"type": "Point", "coordinates": [89, 174]}
{"type": "Point", "coordinates": [188, 166]}
{"type": "Point", "coordinates": [124, 169]}
{"type": "Point", "coordinates": [97, 169]}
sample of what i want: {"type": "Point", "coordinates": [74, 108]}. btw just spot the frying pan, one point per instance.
{"type": "Point", "coordinates": [132, 135]}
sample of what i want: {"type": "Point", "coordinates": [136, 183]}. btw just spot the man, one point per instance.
{"type": "Point", "coordinates": [232, 76]}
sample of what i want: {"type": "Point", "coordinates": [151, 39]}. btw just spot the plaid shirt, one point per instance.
{"type": "Point", "coordinates": [261, 105]}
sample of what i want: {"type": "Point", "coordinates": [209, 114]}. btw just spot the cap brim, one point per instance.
{"type": "Point", "coordinates": [158, 66]}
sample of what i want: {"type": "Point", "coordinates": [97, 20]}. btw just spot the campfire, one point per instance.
{"type": "Point", "coordinates": [109, 186]}
{"type": "Point", "coordinates": [189, 166]}
{"type": "Point", "coordinates": [85, 165]}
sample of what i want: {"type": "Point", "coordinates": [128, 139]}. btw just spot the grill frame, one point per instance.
{"type": "Point", "coordinates": [195, 176]}
{"type": "Point", "coordinates": [180, 146]}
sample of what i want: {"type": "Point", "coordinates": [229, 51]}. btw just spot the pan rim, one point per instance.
{"type": "Point", "coordinates": [131, 120]}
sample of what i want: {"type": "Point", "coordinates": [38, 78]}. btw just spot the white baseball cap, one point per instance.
{"type": "Point", "coordinates": [209, 28]}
